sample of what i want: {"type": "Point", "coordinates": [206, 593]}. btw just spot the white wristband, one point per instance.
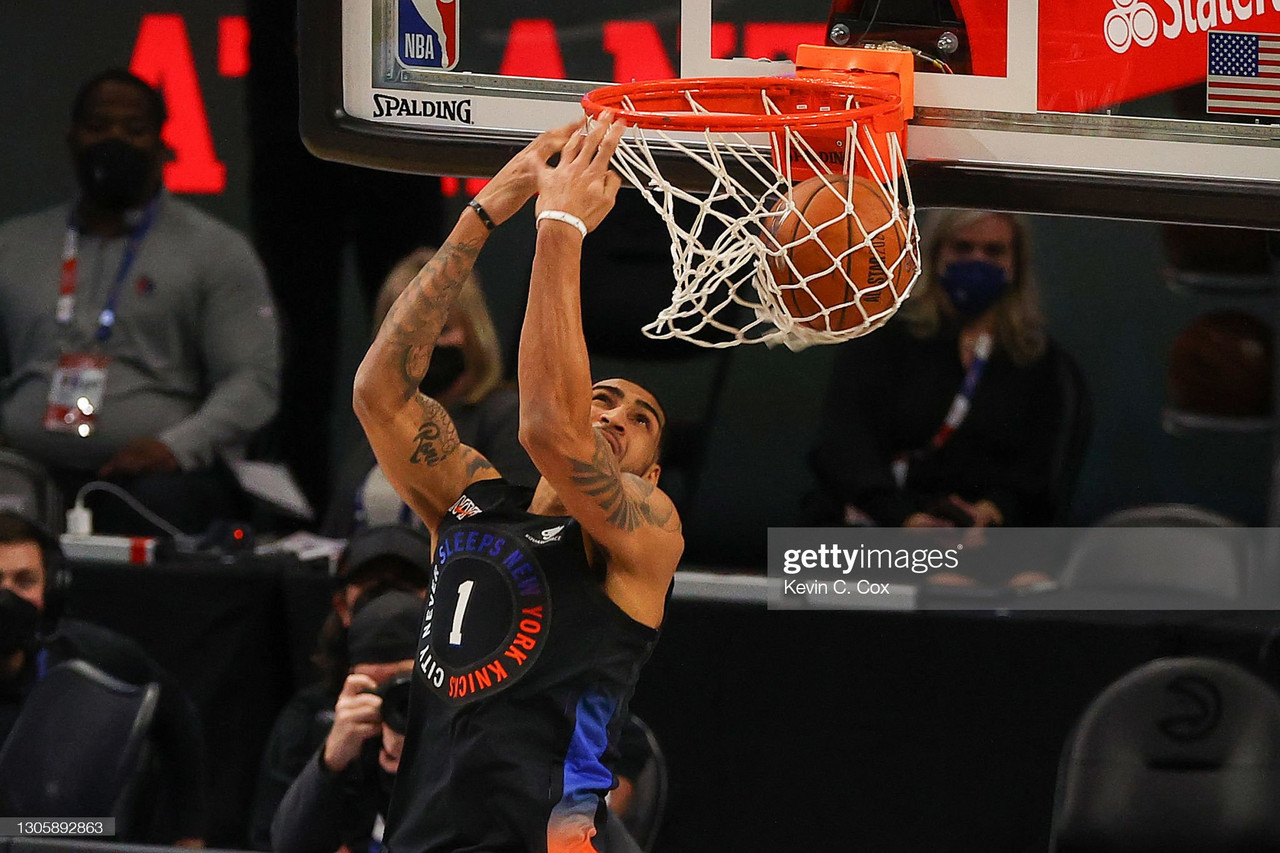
{"type": "Point", "coordinates": [561, 216]}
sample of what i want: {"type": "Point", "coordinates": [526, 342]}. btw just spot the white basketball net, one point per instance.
{"type": "Point", "coordinates": [726, 292]}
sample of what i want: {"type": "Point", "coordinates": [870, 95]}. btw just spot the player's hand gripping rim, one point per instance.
{"type": "Point", "coordinates": [517, 181]}
{"type": "Point", "coordinates": [582, 184]}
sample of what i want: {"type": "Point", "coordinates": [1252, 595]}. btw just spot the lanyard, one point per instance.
{"type": "Point", "coordinates": [957, 413]}
{"type": "Point", "coordinates": [71, 272]}
{"type": "Point", "coordinates": [964, 397]}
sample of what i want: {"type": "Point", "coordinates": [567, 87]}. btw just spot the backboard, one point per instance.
{"type": "Point", "coordinates": [1144, 109]}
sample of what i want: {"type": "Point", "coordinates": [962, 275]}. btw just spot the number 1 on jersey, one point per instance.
{"type": "Point", "coordinates": [464, 596]}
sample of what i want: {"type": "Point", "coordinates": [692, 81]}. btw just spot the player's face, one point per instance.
{"type": "Point", "coordinates": [989, 239]}
{"type": "Point", "coordinates": [22, 571]}
{"type": "Point", "coordinates": [631, 421]}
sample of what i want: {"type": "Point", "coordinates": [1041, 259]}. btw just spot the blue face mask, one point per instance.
{"type": "Point", "coordinates": [973, 286]}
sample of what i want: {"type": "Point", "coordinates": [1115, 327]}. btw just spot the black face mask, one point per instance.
{"type": "Point", "coordinates": [114, 174]}
{"type": "Point", "coordinates": [19, 619]}
{"type": "Point", "coordinates": [447, 364]}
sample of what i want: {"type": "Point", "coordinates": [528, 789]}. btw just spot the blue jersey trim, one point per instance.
{"type": "Point", "coordinates": [584, 769]}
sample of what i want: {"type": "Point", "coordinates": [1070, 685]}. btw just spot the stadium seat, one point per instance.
{"type": "Point", "coordinates": [78, 747]}
{"type": "Point", "coordinates": [1179, 755]}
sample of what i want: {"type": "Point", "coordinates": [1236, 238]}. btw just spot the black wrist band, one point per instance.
{"type": "Point", "coordinates": [483, 214]}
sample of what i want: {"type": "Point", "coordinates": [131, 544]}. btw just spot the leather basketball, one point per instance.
{"type": "Point", "coordinates": [824, 270]}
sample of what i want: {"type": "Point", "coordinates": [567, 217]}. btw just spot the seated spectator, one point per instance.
{"type": "Point", "coordinates": [34, 639]}
{"type": "Point", "coordinates": [465, 375]}
{"type": "Point", "coordinates": [949, 414]}
{"type": "Point", "coordinates": [139, 337]}
{"type": "Point", "coordinates": [390, 557]}
{"type": "Point", "coordinates": [341, 793]}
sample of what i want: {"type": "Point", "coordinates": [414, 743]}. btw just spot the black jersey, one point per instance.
{"type": "Point", "coordinates": [524, 671]}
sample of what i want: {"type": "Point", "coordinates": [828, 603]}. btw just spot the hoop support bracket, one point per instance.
{"type": "Point", "coordinates": [827, 63]}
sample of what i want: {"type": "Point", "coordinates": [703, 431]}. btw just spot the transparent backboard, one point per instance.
{"type": "Point", "coordinates": [1145, 109]}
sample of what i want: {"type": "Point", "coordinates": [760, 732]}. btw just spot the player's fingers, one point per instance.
{"type": "Point", "coordinates": [572, 145]}
{"type": "Point", "coordinates": [553, 140]}
{"type": "Point", "coordinates": [612, 183]}
{"type": "Point", "coordinates": [611, 140]}
{"type": "Point", "coordinates": [593, 145]}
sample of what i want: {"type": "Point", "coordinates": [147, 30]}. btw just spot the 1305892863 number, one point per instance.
{"type": "Point", "coordinates": [58, 826]}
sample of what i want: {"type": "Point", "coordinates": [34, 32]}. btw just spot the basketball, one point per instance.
{"type": "Point", "coordinates": [821, 257]}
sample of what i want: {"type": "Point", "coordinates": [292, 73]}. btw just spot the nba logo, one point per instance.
{"type": "Point", "coordinates": [427, 34]}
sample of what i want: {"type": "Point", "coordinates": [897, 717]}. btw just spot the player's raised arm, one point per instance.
{"type": "Point", "coordinates": [412, 435]}
{"type": "Point", "coordinates": [596, 446]}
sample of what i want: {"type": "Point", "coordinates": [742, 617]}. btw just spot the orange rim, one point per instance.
{"type": "Point", "coordinates": [735, 104]}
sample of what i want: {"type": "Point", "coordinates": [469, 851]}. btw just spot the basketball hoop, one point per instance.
{"type": "Point", "coordinates": [744, 254]}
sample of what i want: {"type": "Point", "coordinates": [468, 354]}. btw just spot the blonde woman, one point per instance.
{"type": "Point", "coordinates": [949, 415]}
{"type": "Point", "coordinates": [465, 376]}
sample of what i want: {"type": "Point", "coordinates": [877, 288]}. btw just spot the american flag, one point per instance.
{"type": "Point", "coordinates": [1244, 73]}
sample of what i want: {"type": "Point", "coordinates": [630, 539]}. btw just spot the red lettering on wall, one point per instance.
{"type": "Point", "coordinates": [724, 40]}
{"type": "Point", "coordinates": [776, 40]}
{"type": "Point", "coordinates": [637, 51]}
{"type": "Point", "coordinates": [470, 186]}
{"type": "Point", "coordinates": [533, 50]}
{"type": "Point", "coordinates": [162, 57]}
{"type": "Point", "coordinates": [233, 46]}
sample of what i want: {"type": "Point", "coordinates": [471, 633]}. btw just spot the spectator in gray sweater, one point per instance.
{"type": "Point", "coordinates": [138, 340]}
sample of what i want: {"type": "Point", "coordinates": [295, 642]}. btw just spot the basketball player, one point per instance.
{"type": "Point", "coordinates": [546, 602]}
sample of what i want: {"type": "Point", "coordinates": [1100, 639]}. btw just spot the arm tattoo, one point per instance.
{"type": "Point", "coordinates": [654, 516]}
{"type": "Point", "coordinates": [478, 464]}
{"type": "Point", "coordinates": [437, 437]}
{"type": "Point", "coordinates": [601, 479]}
{"type": "Point", "coordinates": [419, 314]}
